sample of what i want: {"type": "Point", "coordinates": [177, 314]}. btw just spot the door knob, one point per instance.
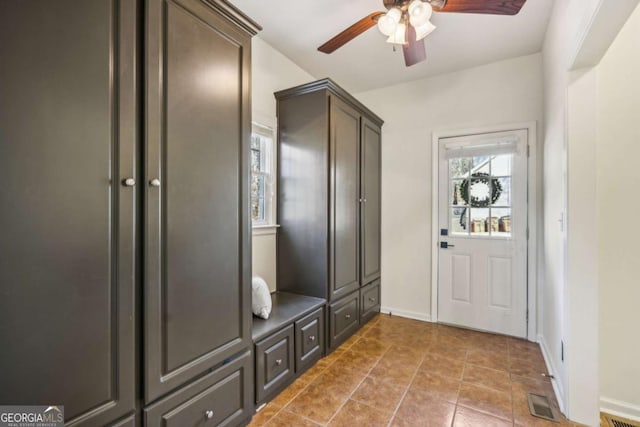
{"type": "Point", "coordinates": [154, 182]}
{"type": "Point", "coordinates": [278, 362]}
{"type": "Point", "coordinates": [445, 245]}
{"type": "Point", "coordinates": [208, 414]}
{"type": "Point", "coordinates": [347, 316]}
{"type": "Point", "coordinates": [129, 182]}
{"type": "Point", "coordinates": [312, 338]}
{"type": "Point", "coordinates": [372, 299]}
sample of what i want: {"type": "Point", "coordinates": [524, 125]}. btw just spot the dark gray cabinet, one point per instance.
{"type": "Point", "coordinates": [125, 251]}
{"type": "Point", "coordinates": [197, 258]}
{"type": "Point", "coordinates": [328, 198]}
{"type": "Point", "coordinates": [222, 397]}
{"type": "Point", "coordinates": [68, 251]}
{"type": "Point", "coordinates": [274, 363]}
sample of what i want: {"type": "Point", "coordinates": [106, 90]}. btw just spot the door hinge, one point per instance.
{"type": "Point", "coordinates": [527, 233]}
{"type": "Point", "coordinates": [528, 150]}
{"type": "Point", "coordinates": [527, 316]}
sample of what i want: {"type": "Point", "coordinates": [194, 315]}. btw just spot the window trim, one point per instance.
{"type": "Point", "coordinates": [270, 174]}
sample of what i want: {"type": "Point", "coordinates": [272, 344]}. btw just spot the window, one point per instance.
{"type": "Point", "coordinates": [480, 195]}
{"type": "Point", "coordinates": [262, 171]}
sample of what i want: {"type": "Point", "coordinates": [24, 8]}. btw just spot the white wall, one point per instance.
{"type": "Point", "coordinates": [503, 92]}
{"type": "Point", "coordinates": [271, 71]}
{"type": "Point", "coordinates": [577, 36]}
{"type": "Point", "coordinates": [552, 307]}
{"type": "Point", "coordinates": [618, 148]}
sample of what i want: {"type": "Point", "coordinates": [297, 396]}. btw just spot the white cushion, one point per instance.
{"type": "Point", "coordinates": [261, 298]}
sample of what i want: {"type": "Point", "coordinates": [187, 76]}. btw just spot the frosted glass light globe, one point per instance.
{"type": "Point", "coordinates": [387, 23]}
{"type": "Point", "coordinates": [419, 12]}
{"type": "Point", "coordinates": [424, 30]}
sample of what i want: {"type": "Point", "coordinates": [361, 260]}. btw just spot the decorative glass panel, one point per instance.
{"type": "Point", "coordinates": [479, 222]}
{"type": "Point", "coordinates": [456, 197]}
{"type": "Point", "coordinates": [459, 167]}
{"type": "Point", "coordinates": [501, 165]}
{"type": "Point", "coordinates": [503, 216]}
{"type": "Point", "coordinates": [502, 192]}
{"type": "Point", "coordinates": [459, 221]}
{"type": "Point", "coordinates": [481, 164]}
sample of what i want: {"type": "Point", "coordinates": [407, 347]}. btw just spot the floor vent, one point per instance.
{"type": "Point", "coordinates": [540, 406]}
{"type": "Point", "coordinates": [613, 421]}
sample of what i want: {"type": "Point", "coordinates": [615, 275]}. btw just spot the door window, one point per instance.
{"type": "Point", "coordinates": [480, 196]}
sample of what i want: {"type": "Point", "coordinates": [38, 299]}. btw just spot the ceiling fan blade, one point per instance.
{"type": "Point", "coordinates": [492, 7]}
{"type": "Point", "coordinates": [414, 51]}
{"type": "Point", "coordinates": [351, 33]}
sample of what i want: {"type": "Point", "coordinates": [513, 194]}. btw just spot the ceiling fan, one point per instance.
{"type": "Point", "coordinates": [406, 22]}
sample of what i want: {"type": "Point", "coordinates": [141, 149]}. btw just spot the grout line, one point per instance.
{"type": "Point", "coordinates": [406, 390]}
{"type": "Point", "coordinates": [366, 375]}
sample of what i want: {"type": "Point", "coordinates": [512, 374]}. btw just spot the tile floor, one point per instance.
{"type": "Point", "coordinates": [401, 372]}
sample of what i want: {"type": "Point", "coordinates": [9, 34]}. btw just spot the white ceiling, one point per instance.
{"type": "Point", "coordinates": [297, 27]}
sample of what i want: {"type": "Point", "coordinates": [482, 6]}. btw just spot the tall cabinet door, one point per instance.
{"type": "Point", "coordinates": [67, 251]}
{"type": "Point", "coordinates": [344, 141]}
{"type": "Point", "coordinates": [197, 286]}
{"type": "Point", "coordinates": [370, 194]}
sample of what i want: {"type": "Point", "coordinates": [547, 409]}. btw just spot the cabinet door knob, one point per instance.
{"type": "Point", "coordinates": [312, 338]}
{"type": "Point", "coordinates": [208, 414]}
{"type": "Point", "coordinates": [129, 182]}
{"type": "Point", "coordinates": [364, 200]}
{"type": "Point", "coordinates": [372, 299]}
{"type": "Point", "coordinates": [278, 362]}
{"type": "Point", "coordinates": [154, 182]}
{"type": "Point", "coordinates": [347, 316]}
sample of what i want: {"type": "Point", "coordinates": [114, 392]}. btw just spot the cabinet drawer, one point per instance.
{"type": "Point", "coordinates": [222, 397]}
{"type": "Point", "coordinates": [369, 301]}
{"type": "Point", "coordinates": [309, 339]}
{"type": "Point", "coordinates": [343, 319]}
{"type": "Point", "coordinates": [274, 363]}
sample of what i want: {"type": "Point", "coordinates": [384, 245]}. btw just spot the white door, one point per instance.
{"type": "Point", "coordinates": [482, 205]}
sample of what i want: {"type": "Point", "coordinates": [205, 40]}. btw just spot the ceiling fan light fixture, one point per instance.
{"type": "Point", "coordinates": [424, 30]}
{"type": "Point", "coordinates": [419, 12]}
{"type": "Point", "coordinates": [399, 36]}
{"type": "Point", "coordinates": [388, 22]}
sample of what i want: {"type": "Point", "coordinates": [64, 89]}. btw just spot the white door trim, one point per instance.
{"type": "Point", "coordinates": [532, 213]}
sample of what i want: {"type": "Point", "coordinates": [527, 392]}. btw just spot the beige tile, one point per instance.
{"type": "Point", "coordinates": [486, 400]}
{"type": "Point", "coordinates": [356, 414]}
{"type": "Point", "coordinates": [380, 394]}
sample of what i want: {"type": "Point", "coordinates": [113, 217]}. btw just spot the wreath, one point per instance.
{"type": "Point", "coordinates": [482, 179]}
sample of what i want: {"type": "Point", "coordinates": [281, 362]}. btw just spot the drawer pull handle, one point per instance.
{"type": "Point", "coordinates": [278, 362]}
{"type": "Point", "coordinates": [209, 414]}
{"type": "Point", "coordinates": [129, 182]}
{"type": "Point", "coordinates": [347, 316]}
{"type": "Point", "coordinates": [312, 338]}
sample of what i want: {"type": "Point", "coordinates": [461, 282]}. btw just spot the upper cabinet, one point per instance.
{"type": "Point", "coordinates": [125, 263]}
{"type": "Point", "coordinates": [197, 130]}
{"type": "Point", "coordinates": [69, 168]}
{"type": "Point", "coordinates": [328, 191]}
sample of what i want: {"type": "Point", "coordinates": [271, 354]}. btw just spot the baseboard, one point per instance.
{"type": "Point", "coordinates": [407, 314]}
{"type": "Point", "coordinates": [619, 408]}
{"type": "Point", "coordinates": [556, 382]}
